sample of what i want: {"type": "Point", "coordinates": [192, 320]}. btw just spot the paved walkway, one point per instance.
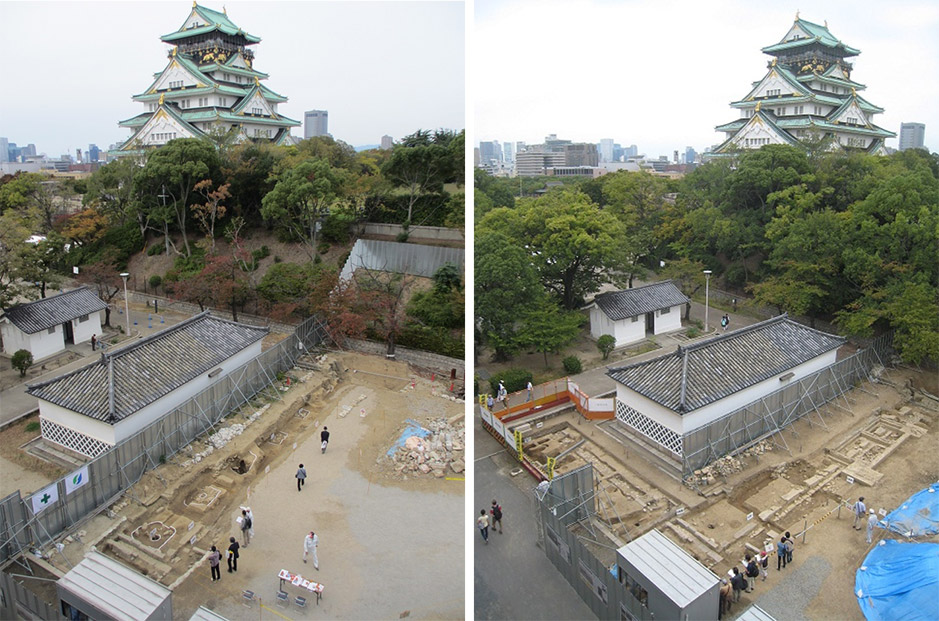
{"type": "Point", "coordinates": [15, 403]}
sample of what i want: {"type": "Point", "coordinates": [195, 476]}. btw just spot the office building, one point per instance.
{"type": "Point", "coordinates": [508, 152]}
{"type": "Point", "coordinates": [606, 149]}
{"type": "Point", "coordinates": [315, 123]}
{"type": "Point", "coordinates": [4, 150]}
{"type": "Point", "coordinates": [387, 142]}
{"type": "Point", "coordinates": [807, 93]}
{"type": "Point", "coordinates": [631, 151]}
{"type": "Point", "coordinates": [93, 153]}
{"type": "Point", "coordinates": [912, 135]}
{"type": "Point", "coordinates": [209, 83]}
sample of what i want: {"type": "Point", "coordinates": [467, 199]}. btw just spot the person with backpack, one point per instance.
{"type": "Point", "coordinates": [781, 553]}
{"type": "Point", "coordinates": [245, 527]}
{"type": "Point", "coordinates": [764, 563]}
{"type": "Point", "coordinates": [860, 513]}
{"type": "Point", "coordinates": [790, 545]}
{"type": "Point", "coordinates": [496, 512]}
{"type": "Point", "coordinates": [752, 572]}
{"type": "Point", "coordinates": [739, 583]}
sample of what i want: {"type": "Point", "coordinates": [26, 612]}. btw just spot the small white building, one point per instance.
{"type": "Point", "coordinates": [46, 326]}
{"type": "Point", "coordinates": [97, 406]}
{"type": "Point", "coordinates": [668, 581]}
{"type": "Point", "coordinates": [632, 314]}
{"type": "Point", "coordinates": [668, 397]}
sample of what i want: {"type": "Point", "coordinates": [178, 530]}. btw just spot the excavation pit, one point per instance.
{"type": "Point", "coordinates": [153, 534]}
{"type": "Point", "coordinates": [203, 499]}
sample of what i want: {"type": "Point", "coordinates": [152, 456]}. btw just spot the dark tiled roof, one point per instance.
{"type": "Point", "coordinates": [640, 300]}
{"type": "Point", "coordinates": [43, 314]}
{"type": "Point", "coordinates": [149, 369]}
{"type": "Point", "coordinates": [700, 374]}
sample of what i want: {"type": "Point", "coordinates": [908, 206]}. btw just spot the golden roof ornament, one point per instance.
{"type": "Point", "coordinates": [161, 99]}
{"type": "Point", "coordinates": [853, 92]}
{"type": "Point", "coordinates": [256, 82]}
{"type": "Point", "coordinates": [773, 64]}
{"type": "Point", "coordinates": [758, 106]}
{"type": "Point", "coordinates": [797, 14]}
{"type": "Point", "coordinates": [193, 3]}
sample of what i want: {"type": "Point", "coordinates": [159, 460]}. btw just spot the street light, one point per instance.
{"type": "Point", "coordinates": [707, 294]}
{"type": "Point", "coordinates": [124, 275]}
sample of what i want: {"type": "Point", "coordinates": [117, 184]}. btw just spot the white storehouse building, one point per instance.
{"type": "Point", "coordinates": [46, 326]}
{"type": "Point", "coordinates": [209, 82]}
{"type": "Point", "coordinates": [668, 397]}
{"type": "Point", "coordinates": [93, 408]}
{"type": "Point", "coordinates": [806, 94]}
{"type": "Point", "coordinates": [632, 314]}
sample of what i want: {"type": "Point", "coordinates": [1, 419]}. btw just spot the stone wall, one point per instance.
{"type": "Point", "coordinates": [424, 359]}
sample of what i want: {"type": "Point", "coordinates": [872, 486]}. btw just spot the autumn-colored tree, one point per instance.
{"type": "Point", "coordinates": [346, 313]}
{"type": "Point", "coordinates": [212, 210]}
{"type": "Point", "coordinates": [104, 277]}
{"type": "Point", "coordinates": [85, 227]}
{"type": "Point", "coordinates": [385, 294]}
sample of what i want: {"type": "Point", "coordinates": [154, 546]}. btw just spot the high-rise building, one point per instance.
{"type": "Point", "coordinates": [912, 135]}
{"type": "Point", "coordinates": [606, 149]}
{"type": "Point", "coordinates": [4, 150]}
{"type": "Point", "coordinates": [208, 83]}
{"type": "Point", "coordinates": [489, 152]}
{"type": "Point", "coordinates": [315, 123]}
{"type": "Point", "coordinates": [508, 152]}
{"type": "Point", "coordinates": [581, 154]}
{"type": "Point", "coordinates": [387, 142]}
{"type": "Point", "coordinates": [93, 153]}
{"type": "Point", "coordinates": [534, 162]}
{"type": "Point", "coordinates": [806, 94]}
{"type": "Point", "coordinates": [690, 155]}
{"type": "Point", "coordinates": [631, 151]}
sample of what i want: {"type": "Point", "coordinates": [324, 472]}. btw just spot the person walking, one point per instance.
{"type": "Point", "coordinates": [496, 512]}
{"type": "Point", "coordinates": [739, 583]}
{"type": "Point", "coordinates": [232, 555]}
{"type": "Point", "coordinates": [324, 438]}
{"type": "Point", "coordinates": [790, 545]}
{"type": "Point", "coordinates": [482, 523]}
{"type": "Point", "coordinates": [871, 523]}
{"type": "Point", "coordinates": [94, 341]}
{"type": "Point", "coordinates": [251, 518]}
{"type": "Point", "coordinates": [301, 477]}
{"type": "Point", "coordinates": [529, 387]}
{"type": "Point", "coordinates": [309, 547]}
{"type": "Point", "coordinates": [490, 402]}
{"type": "Point", "coordinates": [215, 558]}
{"type": "Point", "coordinates": [781, 553]}
{"type": "Point", "coordinates": [752, 572]}
{"type": "Point", "coordinates": [860, 512]}
{"type": "Point", "coordinates": [724, 323]}
{"type": "Point", "coordinates": [764, 563]}
{"type": "Point", "coordinates": [245, 527]}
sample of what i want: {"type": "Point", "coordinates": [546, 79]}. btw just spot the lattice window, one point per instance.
{"type": "Point", "coordinates": [646, 426]}
{"type": "Point", "coordinates": [71, 439]}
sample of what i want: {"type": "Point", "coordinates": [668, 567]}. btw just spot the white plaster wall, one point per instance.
{"type": "Point", "coordinates": [13, 338]}
{"type": "Point", "coordinates": [659, 413]}
{"type": "Point", "coordinates": [702, 416]}
{"type": "Point", "coordinates": [154, 411]}
{"type": "Point", "coordinates": [629, 331]}
{"type": "Point", "coordinates": [600, 324]}
{"type": "Point", "coordinates": [82, 331]}
{"type": "Point", "coordinates": [669, 322]}
{"type": "Point", "coordinates": [42, 344]}
{"type": "Point", "coordinates": [79, 422]}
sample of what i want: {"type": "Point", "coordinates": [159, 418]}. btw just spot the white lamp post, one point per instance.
{"type": "Point", "coordinates": [707, 297]}
{"type": "Point", "coordinates": [124, 275]}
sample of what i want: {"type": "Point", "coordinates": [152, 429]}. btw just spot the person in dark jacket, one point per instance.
{"type": "Point", "coordinates": [233, 555]}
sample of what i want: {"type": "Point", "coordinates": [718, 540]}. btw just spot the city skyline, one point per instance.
{"type": "Point", "coordinates": [662, 75]}
{"type": "Point", "coordinates": [86, 60]}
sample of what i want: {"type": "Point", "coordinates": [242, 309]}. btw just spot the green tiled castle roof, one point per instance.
{"type": "Point", "coordinates": [216, 22]}
{"type": "Point", "coordinates": [817, 34]}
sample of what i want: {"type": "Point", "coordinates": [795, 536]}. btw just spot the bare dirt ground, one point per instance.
{"type": "Point", "coordinates": [389, 544]}
{"type": "Point", "coordinates": [18, 469]}
{"type": "Point", "coordinates": [883, 435]}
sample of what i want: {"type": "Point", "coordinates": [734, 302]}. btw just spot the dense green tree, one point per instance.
{"type": "Point", "coordinates": [419, 169]}
{"type": "Point", "coordinates": [301, 200]}
{"type": "Point", "coordinates": [547, 329]}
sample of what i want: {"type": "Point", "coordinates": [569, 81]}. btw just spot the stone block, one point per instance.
{"type": "Point", "coordinates": [745, 530]}
{"type": "Point", "coordinates": [795, 491]}
{"type": "Point", "coordinates": [812, 481]}
{"type": "Point", "coordinates": [766, 515]}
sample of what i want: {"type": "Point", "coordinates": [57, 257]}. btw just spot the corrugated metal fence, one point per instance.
{"type": "Point", "coordinates": [385, 256]}
{"type": "Point", "coordinates": [779, 409]}
{"type": "Point", "coordinates": [122, 466]}
{"type": "Point", "coordinates": [569, 500]}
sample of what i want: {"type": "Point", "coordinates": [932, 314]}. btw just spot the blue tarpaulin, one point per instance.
{"type": "Point", "coordinates": [413, 429]}
{"type": "Point", "coordinates": [917, 516]}
{"type": "Point", "coordinates": [899, 582]}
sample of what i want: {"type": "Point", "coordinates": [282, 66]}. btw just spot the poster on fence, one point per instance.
{"type": "Point", "coordinates": [76, 479]}
{"type": "Point", "coordinates": [45, 498]}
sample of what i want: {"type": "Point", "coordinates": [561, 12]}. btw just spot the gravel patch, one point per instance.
{"type": "Point", "coordinates": [789, 598]}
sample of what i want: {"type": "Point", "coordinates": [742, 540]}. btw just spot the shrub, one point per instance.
{"type": "Point", "coordinates": [736, 275]}
{"type": "Point", "coordinates": [317, 259]}
{"type": "Point", "coordinates": [261, 253]}
{"type": "Point", "coordinates": [156, 280]}
{"type": "Point", "coordinates": [337, 226]}
{"type": "Point", "coordinates": [572, 365]}
{"type": "Point", "coordinates": [155, 249]}
{"type": "Point", "coordinates": [605, 344]}
{"type": "Point", "coordinates": [514, 379]}
{"type": "Point", "coordinates": [436, 340]}
{"type": "Point", "coordinates": [277, 259]}
{"type": "Point", "coordinates": [21, 361]}
{"type": "Point", "coordinates": [402, 237]}
{"type": "Point", "coordinates": [32, 426]}
{"type": "Point", "coordinates": [693, 332]}
{"type": "Point", "coordinates": [322, 247]}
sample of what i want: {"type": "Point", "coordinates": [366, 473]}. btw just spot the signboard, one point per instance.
{"type": "Point", "coordinates": [498, 426]}
{"type": "Point", "coordinates": [601, 405]}
{"type": "Point", "coordinates": [191, 525]}
{"type": "Point", "coordinates": [518, 444]}
{"type": "Point", "coordinates": [482, 402]}
{"type": "Point", "coordinates": [559, 545]}
{"type": "Point", "coordinates": [851, 480]}
{"type": "Point", "coordinates": [750, 516]}
{"type": "Point", "coordinates": [883, 513]}
{"type": "Point", "coordinates": [550, 465]}
{"type": "Point", "coordinates": [486, 414]}
{"type": "Point", "coordinates": [192, 541]}
{"type": "Point", "coordinates": [76, 480]}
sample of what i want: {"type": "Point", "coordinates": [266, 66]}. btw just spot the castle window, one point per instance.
{"type": "Point", "coordinates": [258, 111]}
{"type": "Point", "coordinates": [852, 120]}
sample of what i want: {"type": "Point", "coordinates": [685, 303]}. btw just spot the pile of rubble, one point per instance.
{"type": "Point", "coordinates": [223, 436]}
{"type": "Point", "coordinates": [729, 464]}
{"type": "Point", "coordinates": [438, 453]}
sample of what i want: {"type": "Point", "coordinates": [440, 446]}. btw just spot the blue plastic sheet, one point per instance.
{"type": "Point", "coordinates": [899, 582]}
{"type": "Point", "coordinates": [413, 429]}
{"type": "Point", "coordinates": [917, 516]}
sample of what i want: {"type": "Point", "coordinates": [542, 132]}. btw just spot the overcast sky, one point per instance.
{"type": "Point", "coordinates": [70, 68]}
{"type": "Point", "coordinates": [661, 74]}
